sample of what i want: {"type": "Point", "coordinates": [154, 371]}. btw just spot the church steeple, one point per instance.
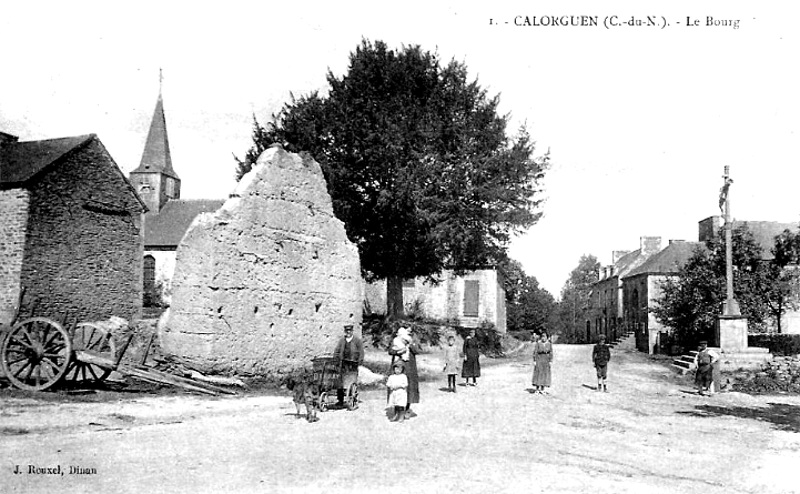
{"type": "Point", "coordinates": [155, 178]}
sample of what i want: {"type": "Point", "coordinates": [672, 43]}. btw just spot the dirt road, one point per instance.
{"type": "Point", "coordinates": [647, 435]}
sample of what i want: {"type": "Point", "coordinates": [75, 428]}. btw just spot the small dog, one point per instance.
{"type": "Point", "coordinates": [305, 392]}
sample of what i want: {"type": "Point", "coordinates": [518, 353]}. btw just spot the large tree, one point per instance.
{"type": "Point", "coordinates": [575, 299]}
{"type": "Point", "coordinates": [418, 163]}
{"type": "Point", "coordinates": [691, 302]}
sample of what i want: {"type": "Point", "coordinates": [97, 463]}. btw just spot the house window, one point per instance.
{"type": "Point", "coordinates": [170, 188]}
{"type": "Point", "coordinates": [409, 283]}
{"type": "Point", "coordinates": [471, 297]}
{"type": "Point", "coordinates": [149, 273]}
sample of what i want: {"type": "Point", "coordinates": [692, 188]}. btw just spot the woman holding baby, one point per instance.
{"type": "Point", "coordinates": [405, 349]}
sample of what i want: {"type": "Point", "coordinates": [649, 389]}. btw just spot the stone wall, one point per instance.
{"type": "Point", "coordinates": [268, 281]}
{"type": "Point", "coordinates": [13, 223]}
{"type": "Point", "coordinates": [84, 243]}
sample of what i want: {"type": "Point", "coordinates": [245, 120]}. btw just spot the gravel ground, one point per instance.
{"type": "Point", "coordinates": [649, 434]}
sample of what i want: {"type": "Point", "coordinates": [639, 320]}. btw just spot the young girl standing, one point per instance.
{"type": "Point", "coordinates": [452, 362]}
{"type": "Point", "coordinates": [398, 396]}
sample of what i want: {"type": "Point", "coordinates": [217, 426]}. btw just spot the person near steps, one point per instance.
{"type": "Point", "coordinates": [601, 354]}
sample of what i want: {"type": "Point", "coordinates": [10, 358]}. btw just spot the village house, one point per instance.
{"type": "Point", "coordinates": [168, 215]}
{"type": "Point", "coordinates": [70, 230]}
{"type": "Point", "coordinates": [606, 308]}
{"type": "Point", "coordinates": [641, 286]}
{"type": "Point", "coordinates": [469, 300]}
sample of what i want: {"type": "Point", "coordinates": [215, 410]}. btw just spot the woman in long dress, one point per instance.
{"type": "Point", "coordinates": [408, 356]}
{"type": "Point", "coordinates": [472, 366]}
{"type": "Point", "coordinates": [542, 357]}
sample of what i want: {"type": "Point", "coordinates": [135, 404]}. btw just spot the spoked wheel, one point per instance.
{"type": "Point", "coordinates": [93, 339]}
{"type": "Point", "coordinates": [35, 354]}
{"type": "Point", "coordinates": [352, 397]}
{"type": "Point", "coordinates": [323, 402]}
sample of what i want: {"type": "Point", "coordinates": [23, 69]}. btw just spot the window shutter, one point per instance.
{"type": "Point", "coordinates": [471, 297]}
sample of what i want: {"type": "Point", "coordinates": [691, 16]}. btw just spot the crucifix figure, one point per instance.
{"type": "Point", "coordinates": [730, 307]}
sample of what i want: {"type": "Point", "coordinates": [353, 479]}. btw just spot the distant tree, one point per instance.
{"type": "Point", "coordinates": [418, 164]}
{"type": "Point", "coordinates": [528, 306]}
{"type": "Point", "coordinates": [692, 301]}
{"type": "Point", "coordinates": [575, 299]}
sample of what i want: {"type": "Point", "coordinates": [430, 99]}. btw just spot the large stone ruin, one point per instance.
{"type": "Point", "coordinates": [268, 281]}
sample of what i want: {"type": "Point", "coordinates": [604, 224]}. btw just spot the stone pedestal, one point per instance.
{"type": "Point", "coordinates": [734, 352]}
{"type": "Point", "coordinates": [732, 333]}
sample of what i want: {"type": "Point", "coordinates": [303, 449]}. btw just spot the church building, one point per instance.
{"type": "Point", "coordinates": [168, 216]}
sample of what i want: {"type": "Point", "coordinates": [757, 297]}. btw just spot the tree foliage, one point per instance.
{"type": "Point", "coordinates": [692, 301]}
{"type": "Point", "coordinates": [417, 160]}
{"type": "Point", "coordinates": [528, 306]}
{"type": "Point", "coordinates": [575, 299]}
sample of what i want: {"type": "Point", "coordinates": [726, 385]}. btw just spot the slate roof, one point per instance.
{"type": "Point", "coordinates": [156, 156]}
{"type": "Point", "coordinates": [166, 229]}
{"type": "Point", "coordinates": [765, 232]}
{"type": "Point", "coordinates": [667, 261]}
{"type": "Point", "coordinates": [21, 161]}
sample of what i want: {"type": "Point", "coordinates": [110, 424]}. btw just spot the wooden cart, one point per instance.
{"type": "Point", "coordinates": [39, 353]}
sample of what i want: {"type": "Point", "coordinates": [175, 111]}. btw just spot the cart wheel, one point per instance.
{"type": "Point", "coordinates": [91, 338]}
{"type": "Point", "coordinates": [36, 354]}
{"type": "Point", "coordinates": [323, 402]}
{"type": "Point", "coordinates": [352, 397]}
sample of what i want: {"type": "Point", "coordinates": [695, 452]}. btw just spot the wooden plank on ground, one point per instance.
{"type": "Point", "coordinates": [150, 375]}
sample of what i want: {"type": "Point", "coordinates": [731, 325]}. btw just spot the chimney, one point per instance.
{"type": "Point", "coordinates": [649, 245]}
{"type": "Point", "coordinates": [616, 255]}
{"type": "Point", "coordinates": [673, 241]}
{"type": "Point", "coordinates": [5, 139]}
{"type": "Point", "coordinates": [708, 228]}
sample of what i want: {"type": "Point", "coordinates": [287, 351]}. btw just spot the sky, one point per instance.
{"type": "Point", "coordinates": [639, 120]}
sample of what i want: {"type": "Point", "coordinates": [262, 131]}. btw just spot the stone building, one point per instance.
{"type": "Point", "coordinates": [168, 215]}
{"type": "Point", "coordinates": [641, 287]}
{"type": "Point", "coordinates": [764, 233]}
{"type": "Point", "coordinates": [70, 230]}
{"type": "Point", "coordinates": [606, 304]}
{"type": "Point", "coordinates": [468, 300]}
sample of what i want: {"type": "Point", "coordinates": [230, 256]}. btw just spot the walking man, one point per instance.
{"type": "Point", "coordinates": [349, 353]}
{"type": "Point", "coordinates": [601, 354]}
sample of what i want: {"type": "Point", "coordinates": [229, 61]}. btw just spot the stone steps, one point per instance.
{"type": "Point", "coordinates": [685, 363]}
{"type": "Point", "coordinates": [626, 342]}
{"type": "Point", "coordinates": [749, 358]}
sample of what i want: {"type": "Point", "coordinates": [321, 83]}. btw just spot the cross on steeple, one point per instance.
{"type": "Point", "coordinates": [155, 178]}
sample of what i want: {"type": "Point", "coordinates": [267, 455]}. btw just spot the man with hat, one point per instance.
{"type": "Point", "coordinates": [349, 353]}
{"type": "Point", "coordinates": [705, 360]}
{"type": "Point", "coordinates": [601, 354]}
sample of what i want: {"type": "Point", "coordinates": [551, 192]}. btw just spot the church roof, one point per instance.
{"type": "Point", "coordinates": [667, 261]}
{"type": "Point", "coordinates": [166, 229]}
{"type": "Point", "coordinates": [156, 155]}
{"type": "Point", "coordinates": [21, 161]}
